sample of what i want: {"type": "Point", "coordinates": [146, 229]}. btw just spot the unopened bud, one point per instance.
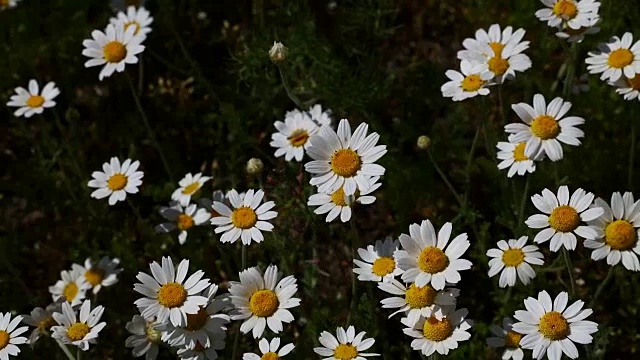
{"type": "Point", "coordinates": [278, 53]}
{"type": "Point", "coordinates": [423, 142]}
{"type": "Point", "coordinates": [254, 166]}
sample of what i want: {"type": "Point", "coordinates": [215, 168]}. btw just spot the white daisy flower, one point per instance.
{"type": "Point", "coordinates": [72, 286]}
{"type": "Point", "coordinates": [189, 185]}
{"type": "Point", "coordinates": [552, 327]}
{"type": "Point", "coordinates": [617, 231]}
{"type": "Point", "coordinates": [10, 335]}
{"type": "Point", "coordinates": [577, 35]}
{"type": "Point", "coordinates": [42, 320]}
{"type": "Point", "coordinates": [115, 181]}
{"type": "Point", "coordinates": [113, 48]}
{"type": "Point", "coordinates": [338, 203]}
{"type": "Point", "coordinates": [472, 81]}
{"type": "Point", "coordinates": [347, 345]}
{"type": "Point", "coordinates": [182, 219]}
{"type": "Point", "coordinates": [144, 339]}
{"type": "Point", "coordinates": [269, 350]}
{"type": "Point", "coordinates": [32, 101]}
{"type": "Point", "coordinates": [417, 301]}
{"type": "Point", "coordinates": [8, 4]}
{"type": "Point", "coordinates": [427, 259]}
{"type": "Point", "coordinates": [629, 88]}
{"type": "Point", "coordinates": [78, 331]}
{"type": "Point", "coordinates": [508, 339]}
{"type": "Point", "coordinates": [321, 118]}
{"type": "Point", "coordinates": [544, 127]}
{"type": "Point", "coordinates": [572, 13]}
{"type": "Point", "coordinates": [247, 219]}
{"type": "Point", "coordinates": [513, 157]}
{"type": "Point", "coordinates": [263, 301]}
{"type": "Point", "coordinates": [513, 258]}
{"type": "Point", "coordinates": [440, 335]}
{"type": "Point", "coordinates": [104, 273]}
{"type": "Point", "coordinates": [167, 295]}
{"type": "Point", "coordinates": [616, 58]}
{"type": "Point", "coordinates": [379, 264]}
{"type": "Point", "coordinates": [139, 19]}
{"type": "Point", "coordinates": [201, 352]}
{"type": "Point", "coordinates": [562, 217]}
{"type": "Point", "coordinates": [292, 137]}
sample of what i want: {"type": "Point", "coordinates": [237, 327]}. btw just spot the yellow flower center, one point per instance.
{"type": "Point", "coordinates": [244, 217]}
{"type": "Point", "coordinates": [497, 48]}
{"type": "Point", "coordinates": [420, 297]}
{"type": "Point", "coordinates": [132, 23]}
{"type": "Point", "coordinates": [437, 330]}
{"type": "Point", "coordinates": [184, 222]}
{"type": "Point", "coordinates": [346, 162]}
{"type": "Point", "coordinates": [94, 276]}
{"type": "Point", "coordinates": [78, 331]}
{"type": "Point", "coordinates": [512, 340]}
{"type": "Point", "coordinates": [620, 235]}
{"type": "Point", "coordinates": [634, 82]}
{"type": "Point", "coordinates": [432, 260]}
{"type": "Point", "coordinates": [264, 303]}
{"type": "Point", "coordinates": [35, 101]}
{"type": "Point", "coordinates": [270, 356]}
{"type": "Point", "coordinates": [198, 320]}
{"type": "Point", "coordinates": [620, 58]}
{"type": "Point", "coordinates": [117, 182]}
{"type": "Point", "coordinates": [45, 324]}
{"type": "Point", "coordinates": [554, 326]}
{"type": "Point", "coordinates": [191, 188]}
{"type": "Point", "coordinates": [564, 218]}
{"type": "Point", "coordinates": [498, 66]}
{"type": "Point", "coordinates": [472, 83]}
{"type": "Point", "coordinates": [566, 9]}
{"type": "Point", "coordinates": [545, 127]}
{"type": "Point", "coordinates": [383, 265]}
{"type": "Point", "coordinates": [513, 257]}
{"type": "Point", "coordinates": [172, 295]}
{"type": "Point", "coordinates": [153, 335]}
{"type": "Point", "coordinates": [114, 52]}
{"type": "Point", "coordinates": [4, 339]}
{"type": "Point", "coordinates": [298, 138]}
{"type": "Point", "coordinates": [70, 291]}
{"type": "Point", "coordinates": [518, 153]}
{"type": "Point", "coordinates": [339, 198]}
{"type": "Point", "coordinates": [345, 352]}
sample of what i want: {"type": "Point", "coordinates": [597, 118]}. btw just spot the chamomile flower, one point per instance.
{"type": "Point", "coordinates": [168, 297]}
{"type": "Point", "coordinates": [116, 180]}
{"type": "Point", "coordinates": [577, 35]}
{"type": "Point", "coordinates": [201, 352]}
{"type": "Point", "coordinates": [218, 196]}
{"type": "Point", "coordinates": [189, 185]}
{"type": "Point", "coordinates": [379, 264]}
{"type": "Point", "coordinates": [114, 48]}
{"type": "Point", "coordinates": [247, 220]}
{"type": "Point", "coordinates": [572, 13]}
{"type": "Point", "coordinates": [471, 81]}
{"type": "Point", "coordinates": [144, 339]}
{"type": "Point", "coordinates": [629, 88]}
{"type": "Point", "coordinates": [562, 217]}
{"type": "Point", "coordinates": [417, 301]}
{"type": "Point", "coordinates": [42, 319]}
{"type": "Point", "coordinates": [616, 58]}
{"type": "Point", "coordinates": [182, 219]}
{"type": "Point", "coordinates": [104, 273]}
{"type": "Point", "coordinates": [337, 203]}
{"type": "Point", "coordinates": [513, 158]}
{"type": "Point", "coordinates": [139, 19]}
{"type": "Point", "coordinates": [430, 259]}
{"type": "Point", "coordinates": [347, 345]}
{"type": "Point", "coordinates": [321, 118]}
{"type": "Point", "coordinates": [508, 339]}
{"type": "Point", "coordinates": [72, 286]}
{"type": "Point", "coordinates": [79, 330]}
{"type": "Point", "coordinates": [8, 4]}
{"type": "Point", "coordinates": [511, 259]}
{"type": "Point", "coordinates": [269, 350]}
{"type": "Point", "coordinates": [32, 101]}
{"type": "Point", "coordinates": [344, 159]}
{"type": "Point", "coordinates": [10, 335]}
{"type": "Point", "coordinates": [552, 327]}
{"type": "Point", "coordinates": [263, 300]}
{"type": "Point", "coordinates": [439, 333]}
{"type": "Point", "coordinates": [544, 127]}
{"type": "Point", "coordinates": [617, 231]}
{"type": "Point", "coordinates": [292, 137]}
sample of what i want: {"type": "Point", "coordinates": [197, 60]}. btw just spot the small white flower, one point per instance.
{"type": "Point", "coordinates": [628, 88]}
{"type": "Point", "coordinates": [379, 264]}
{"type": "Point", "coordinates": [42, 319]}
{"type": "Point", "coordinates": [269, 350]}
{"type": "Point", "coordinates": [144, 338]}
{"type": "Point", "coordinates": [182, 219]}
{"type": "Point", "coordinates": [507, 338]}
{"type": "Point", "coordinates": [32, 101]}
{"type": "Point", "coordinates": [278, 52]}
{"type": "Point", "coordinates": [513, 258]}
{"type": "Point", "coordinates": [10, 335]}
{"type": "Point", "coordinates": [188, 186]}
{"type": "Point", "coordinates": [139, 19]}
{"type": "Point", "coordinates": [572, 13]}
{"type": "Point", "coordinates": [113, 48]}
{"type": "Point", "coordinates": [513, 157]}
{"type": "Point", "coordinates": [247, 220]}
{"type": "Point", "coordinates": [293, 135]}
{"type": "Point", "coordinates": [616, 58]}
{"type": "Point", "coordinates": [347, 345]}
{"type": "Point", "coordinates": [472, 81]}
{"type": "Point", "coordinates": [337, 203]}
{"type": "Point", "coordinates": [72, 286]}
{"type": "Point", "coordinates": [104, 273]}
{"type": "Point", "coordinates": [78, 331]}
{"type": "Point", "coordinates": [577, 35]}
{"type": "Point", "coordinates": [321, 118]}
{"type": "Point", "coordinates": [439, 334]}
{"type": "Point", "coordinates": [116, 181]}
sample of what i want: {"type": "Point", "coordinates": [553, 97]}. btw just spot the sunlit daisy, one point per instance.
{"type": "Point", "coordinates": [508, 339]}
{"type": "Point", "coordinates": [616, 58]}
{"type": "Point", "coordinates": [263, 301]}
{"type": "Point", "coordinates": [189, 185]}
{"type": "Point", "coordinates": [346, 345]}
{"type": "Point", "coordinates": [417, 301]}
{"type": "Point", "coordinates": [628, 88]}
{"type": "Point", "coordinates": [439, 334]}
{"type": "Point", "coordinates": [42, 319]}
{"type": "Point", "coordinates": [104, 273]}
{"type": "Point", "coordinates": [544, 127]}
{"type": "Point", "coordinates": [378, 264]}
{"type": "Point", "coordinates": [513, 158]}
{"type": "Point", "coordinates": [113, 48]}
{"type": "Point", "coordinates": [32, 101]}
{"type": "Point", "coordinates": [269, 350]}
{"type": "Point", "coordinates": [167, 295]}
{"type": "Point", "coordinates": [572, 13]}
{"type": "Point", "coordinates": [321, 118]}
{"type": "Point", "coordinates": [10, 335]}
{"type": "Point", "coordinates": [552, 327]}
{"type": "Point", "coordinates": [115, 181]}
{"type": "Point", "coordinates": [513, 258]}
{"type": "Point", "coordinates": [247, 220]}
{"type": "Point", "coordinates": [344, 159]}
{"type": "Point", "coordinates": [8, 4]}
{"type": "Point", "coordinates": [617, 231]}
{"type": "Point", "coordinates": [577, 35]}
{"type": "Point", "coordinates": [562, 217]}
{"type": "Point", "coordinates": [182, 219]}
{"type": "Point", "coordinates": [144, 338]}
{"type": "Point", "coordinates": [292, 137]}
{"type": "Point", "coordinates": [72, 286]}
{"type": "Point", "coordinates": [471, 81]}
{"type": "Point", "coordinates": [430, 259]}
{"type": "Point", "coordinates": [139, 19]}
{"type": "Point", "coordinates": [79, 331]}
{"type": "Point", "coordinates": [337, 203]}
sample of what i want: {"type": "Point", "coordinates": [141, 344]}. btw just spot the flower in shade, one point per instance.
{"type": "Point", "coordinates": [269, 350]}
{"type": "Point", "coordinates": [571, 13]}
{"type": "Point", "coordinates": [248, 218]}
{"type": "Point", "coordinates": [42, 319]}
{"type": "Point", "coordinates": [182, 219]}
{"type": "Point", "coordinates": [80, 330]}
{"type": "Point", "coordinates": [139, 19]}
{"type": "Point", "coordinates": [377, 262]}
{"type": "Point", "coordinates": [104, 273]}
{"type": "Point", "coordinates": [345, 345]}
{"type": "Point", "coordinates": [116, 180]}
{"type": "Point", "coordinates": [32, 101]}
{"type": "Point", "coordinates": [616, 58]}
{"type": "Point", "coordinates": [562, 217]}
{"type": "Point", "coordinates": [10, 335]}
{"type": "Point", "coordinates": [144, 339]}
{"type": "Point", "coordinates": [471, 81]}
{"type": "Point", "coordinates": [513, 158]}
{"type": "Point", "coordinates": [439, 333]}
{"type": "Point", "coordinates": [511, 259]}
{"type": "Point", "coordinates": [321, 118]}
{"type": "Point", "coordinates": [189, 185]}
{"type": "Point", "coordinates": [114, 48]}
{"type": "Point", "coordinates": [72, 287]}
{"type": "Point", "coordinates": [338, 203]}
{"type": "Point", "coordinates": [617, 231]}
{"type": "Point", "coordinates": [201, 352]}
{"type": "Point", "coordinates": [629, 88]}
{"type": "Point", "coordinates": [508, 339]}
{"type": "Point", "coordinates": [293, 135]}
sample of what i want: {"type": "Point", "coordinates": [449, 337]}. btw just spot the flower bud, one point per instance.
{"type": "Point", "coordinates": [423, 142]}
{"type": "Point", "coordinates": [278, 53]}
{"type": "Point", "coordinates": [254, 166]}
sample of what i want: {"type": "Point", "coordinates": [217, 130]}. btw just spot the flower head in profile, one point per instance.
{"type": "Point", "coordinates": [617, 58]}
{"type": "Point", "coordinates": [144, 338]}
{"type": "Point", "coordinates": [42, 319]}
{"type": "Point", "coordinates": [508, 339]}
{"type": "Point", "coordinates": [140, 19]}
{"type": "Point", "coordinates": [116, 180]}
{"type": "Point", "coordinates": [269, 350]}
{"type": "Point", "coordinates": [72, 286]}
{"type": "Point", "coordinates": [80, 330]}
{"type": "Point", "coordinates": [32, 101]}
{"type": "Point", "coordinates": [512, 260]}
{"type": "Point", "coordinates": [293, 135]}
{"type": "Point", "coordinates": [471, 81]}
{"type": "Point", "coordinates": [10, 335]}
{"type": "Point", "coordinates": [104, 273]}
{"type": "Point", "coordinates": [182, 219]}
{"type": "Point", "coordinates": [345, 345]}
{"type": "Point", "coordinates": [248, 218]}
{"type": "Point", "coordinates": [114, 48]}
{"type": "Point", "coordinates": [338, 203]}
{"type": "Point", "coordinates": [188, 186]}
{"type": "Point", "coordinates": [514, 159]}
{"type": "Point", "coordinates": [439, 333]}
{"type": "Point", "coordinates": [573, 14]}
{"type": "Point", "coordinates": [377, 262]}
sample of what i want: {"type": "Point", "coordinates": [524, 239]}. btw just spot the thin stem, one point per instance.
{"type": "Point", "coordinates": [285, 83]}
{"type": "Point", "coordinates": [355, 239]}
{"type": "Point", "coordinates": [523, 203]}
{"type": "Point", "coordinates": [602, 286]}
{"type": "Point", "coordinates": [446, 181]}
{"type": "Point", "coordinates": [570, 62]}
{"type": "Point", "coordinates": [135, 210]}
{"type": "Point", "coordinates": [467, 168]}
{"type": "Point", "coordinates": [501, 104]}
{"type": "Point", "coordinates": [243, 264]}
{"type": "Point", "coordinates": [567, 261]}
{"type": "Point", "coordinates": [66, 350]}
{"type": "Point", "coordinates": [632, 152]}
{"type": "Point", "coordinates": [78, 354]}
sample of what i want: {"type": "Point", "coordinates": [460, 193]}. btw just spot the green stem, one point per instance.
{"type": "Point", "coordinates": [446, 181]}
{"type": "Point", "coordinates": [632, 152]}
{"type": "Point", "coordinates": [66, 350]}
{"type": "Point", "coordinates": [567, 261]}
{"type": "Point", "coordinates": [78, 354]}
{"type": "Point", "coordinates": [287, 88]}
{"type": "Point", "coordinates": [602, 286]}
{"type": "Point", "coordinates": [568, 80]}
{"type": "Point", "coordinates": [523, 203]}
{"type": "Point", "coordinates": [355, 240]}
